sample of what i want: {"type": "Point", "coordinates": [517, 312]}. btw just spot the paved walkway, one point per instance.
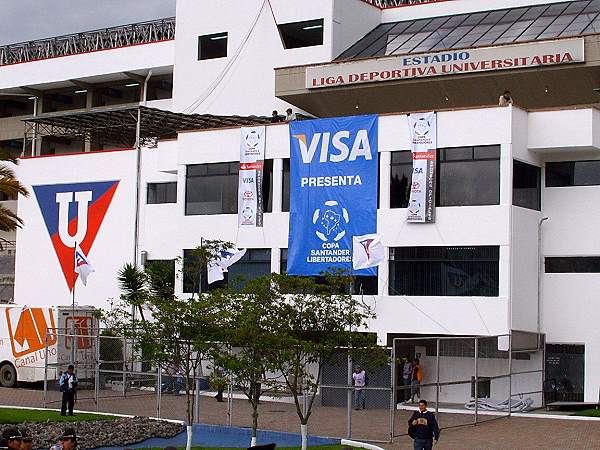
{"type": "Point", "coordinates": [494, 433]}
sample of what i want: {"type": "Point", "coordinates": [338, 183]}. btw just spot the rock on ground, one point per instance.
{"type": "Point", "coordinates": [101, 433]}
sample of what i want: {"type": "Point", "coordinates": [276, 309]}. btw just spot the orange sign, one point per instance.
{"type": "Point", "coordinates": [83, 330]}
{"type": "Point", "coordinates": [27, 329]}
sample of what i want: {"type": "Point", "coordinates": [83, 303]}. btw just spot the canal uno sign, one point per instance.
{"type": "Point", "coordinates": [400, 67]}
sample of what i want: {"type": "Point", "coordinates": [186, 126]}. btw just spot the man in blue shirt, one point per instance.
{"type": "Point", "coordinates": [68, 387]}
{"type": "Point", "coordinates": [423, 427]}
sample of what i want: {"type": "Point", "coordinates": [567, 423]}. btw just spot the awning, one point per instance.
{"type": "Point", "coordinates": [117, 126]}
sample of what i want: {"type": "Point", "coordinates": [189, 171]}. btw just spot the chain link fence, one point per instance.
{"type": "Point", "coordinates": [117, 378]}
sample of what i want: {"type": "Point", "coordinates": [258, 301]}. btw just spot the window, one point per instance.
{"type": "Point", "coordinates": [211, 46]}
{"type": "Point", "coordinates": [162, 274]}
{"type": "Point", "coordinates": [574, 264]}
{"type": "Point", "coordinates": [466, 176]}
{"type": "Point", "coordinates": [285, 206]}
{"type": "Point", "coordinates": [213, 188]}
{"type": "Point", "coordinates": [162, 193]}
{"type": "Point", "coordinates": [301, 34]}
{"type": "Point", "coordinates": [366, 285]}
{"type": "Point", "coordinates": [526, 185]}
{"type": "Point", "coordinates": [255, 263]}
{"type": "Point", "coordinates": [444, 271]}
{"type": "Point", "coordinates": [573, 173]}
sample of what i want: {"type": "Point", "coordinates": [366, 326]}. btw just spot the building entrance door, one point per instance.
{"type": "Point", "coordinates": [565, 365]}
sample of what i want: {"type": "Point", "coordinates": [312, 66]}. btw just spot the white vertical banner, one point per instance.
{"type": "Point", "coordinates": [252, 155]}
{"type": "Point", "coordinates": [423, 145]}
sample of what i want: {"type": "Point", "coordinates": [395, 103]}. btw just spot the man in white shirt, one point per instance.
{"type": "Point", "coordinates": [359, 378]}
{"type": "Point", "coordinates": [505, 99]}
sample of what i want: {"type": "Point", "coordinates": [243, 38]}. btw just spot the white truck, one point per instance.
{"type": "Point", "coordinates": [26, 332]}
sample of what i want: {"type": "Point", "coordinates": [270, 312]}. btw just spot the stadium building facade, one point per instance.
{"type": "Point", "coordinates": [147, 118]}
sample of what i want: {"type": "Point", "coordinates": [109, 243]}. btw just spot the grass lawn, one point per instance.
{"type": "Point", "coordinates": [16, 416]}
{"type": "Point", "coordinates": [588, 413]}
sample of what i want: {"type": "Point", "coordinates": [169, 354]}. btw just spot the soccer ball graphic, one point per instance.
{"type": "Point", "coordinates": [330, 221]}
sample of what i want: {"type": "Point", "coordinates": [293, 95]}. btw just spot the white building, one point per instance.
{"type": "Point", "coordinates": [501, 170]}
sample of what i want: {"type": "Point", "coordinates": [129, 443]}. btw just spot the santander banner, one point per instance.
{"type": "Point", "coordinates": [400, 67]}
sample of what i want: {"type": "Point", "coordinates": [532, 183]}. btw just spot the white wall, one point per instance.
{"type": "Point", "coordinates": [352, 19]}
{"type": "Point", "coordinates": [94, 64]}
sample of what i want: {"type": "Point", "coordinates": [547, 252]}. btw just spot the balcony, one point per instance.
{"type": "Point", "coordinates": [89, 41]}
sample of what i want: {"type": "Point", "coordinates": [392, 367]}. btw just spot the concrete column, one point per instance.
{"type": "Point", "coordinates": [277, 184]}
{"type": "Point", "coordinates": [37, 138]}
{"type": "Point", "coordinates": [89, 103]}
{"type": "Point", "coordinates": [275, 259]}
{"type": "Point", "coordinates": [385, 179]}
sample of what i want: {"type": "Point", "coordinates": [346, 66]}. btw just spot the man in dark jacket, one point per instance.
{"type": "Point", "coordinates": [68, 387]}
{"type": "Point", "coordinates": [423, 427]}
{"type": "Point", "coordinates": [11, 438]}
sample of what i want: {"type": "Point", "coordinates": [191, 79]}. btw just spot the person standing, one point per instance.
{"type": "Point", "coordinates": [416, 379]}
{"type": "Point", "coordinates": [359, 378]}
{"type": "Point", "coordinates": [505, 99]}
{"type": "Point", "coordinates": [290, 115]}
{"type": "Point", "coordinates": [423, 428]}
{"type": "Point", "coordinates": [11, 438]}
{"type": "Point", "coordinates": [68, 386]}
{"type": "Point", "coordinates": [406, 379]}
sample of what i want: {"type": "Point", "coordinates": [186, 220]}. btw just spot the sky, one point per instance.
{"type": "Point", "coordinates": [25, 20]}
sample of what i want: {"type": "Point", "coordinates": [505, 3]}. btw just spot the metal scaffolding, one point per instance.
{"type": "Point", "coordinates": [89, 41]}
{"type": "Point", "coordinates": [393, 3]}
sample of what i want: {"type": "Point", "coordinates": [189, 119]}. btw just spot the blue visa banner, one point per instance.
{"type": "Point", "coordinates": [333, 192]}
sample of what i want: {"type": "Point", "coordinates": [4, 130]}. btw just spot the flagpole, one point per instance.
{"type": "Point", "coordinates": [73, 340]}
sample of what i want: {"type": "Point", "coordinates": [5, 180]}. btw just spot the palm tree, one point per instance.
{"type": "Point", "coordinates": [10, 187]}
{"type": "Point", "coordinates": [133, 283]}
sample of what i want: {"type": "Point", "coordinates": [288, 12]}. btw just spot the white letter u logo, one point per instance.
{"type": "Point", "coordinates": [64, 199]}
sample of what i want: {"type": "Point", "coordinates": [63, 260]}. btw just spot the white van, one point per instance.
{"type": "Point", "coordinates": [26, 331]}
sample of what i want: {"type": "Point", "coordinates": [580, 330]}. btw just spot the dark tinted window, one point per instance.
{"type": "Point", "coordinates": [444, 271]}
{"type": "Point", "coordinates": [573, 173]}
{"type": "Point", "coordinates": [162, 193]}
{"type": "Point", "coordinates": [285, 207]}
{"type": "Point", "coordinates": [213, 188]}
{"type": "Point", "coordinates": [580, 264]}
{"type": "Point", "coordinates": [211, 46]}
{"type": "Point", "coordinates": [526, 185]}
{"type": "Point", "coordinates": [466, 176]}
{"type": "Point", "coordinates": [255, 263]}
{"type": "Point", "coordinates": [302, 34]}
{"type": "Point", "coordinates": [362, 285]}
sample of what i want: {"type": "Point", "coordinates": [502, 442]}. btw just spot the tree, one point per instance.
{"type": "Point", "coordinates": [10, 187]}
{"type": "Point", "coordinates": [313, 323]}
{"type": "Point", "coordinates": [133, 283]}
{"type": "Point", "coordinates": [248, 330]}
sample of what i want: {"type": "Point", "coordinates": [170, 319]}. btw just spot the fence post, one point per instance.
{"type": "Point", "coordinates": [158, 389]}
{"type": "Point", "coordinates": [97, 372]}
{"type": "Point", "coordinates": [229, 399]}
{"type": "Point", "coordinates": [349, 398]}
{"type": "Point", "coordinates": [476, 391]}
{"type": "Point", "coordinates": [197, 398]}
{"type": "Point", "coordinates": [46, 369]}
{"type": "Point", "coordinates": [393, 392]}
{"type": "Point", "coordinates": [437, 380]}
{"type": "Point", "coordinates": [544, 374]}
{"type": "Point", "coordinates": [509, 374]}
{"type": "Point", "coordinates": [124, 368]}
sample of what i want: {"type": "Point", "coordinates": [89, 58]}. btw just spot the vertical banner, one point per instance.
{"type": "Point", "coordinates": [423, 145]}
{"type": "Point", "coordinates": [333, 192]}
{"type": "Point", "coordinates": [252, 155]}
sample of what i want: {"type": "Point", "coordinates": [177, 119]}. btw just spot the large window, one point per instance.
{"type": "Point", "coordinates": [211, 46]}
{"type": "Point", "coordinates": [466, 176]}
{"type": "Point", "coordinates": [573, 264]}
{"type": "Point", "coordinates": [573, 173]}
{"type": "Point", "coordinates": [255, 263]}
{"type": "Point", "coordinates": [285, 207]}
{"type": "Point", "coordinates": [302, 34]}
{"type": "Point", "coordinates": [444, 271]}
{"type": "Point", "coordinates": [213, 188]}
{"type": "Point", "coordinates": [362, 285]}
{"type": "Point", "coordinates": [162, 193]}
{"type": "Point", "coordinates": [526, 185]}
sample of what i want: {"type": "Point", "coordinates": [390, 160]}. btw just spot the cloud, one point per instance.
{"type": "Point", "coordinates": [27, 20]}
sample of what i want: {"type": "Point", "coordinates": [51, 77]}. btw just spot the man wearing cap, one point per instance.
{"type": "Point", "coordinates": [11, 438]}
{"type": "Point", "coordinates": [68, 387]}
{"type": "Point", "coordinates": [68, 440]}
{"type": "Point", "coordinates": [359, 378]}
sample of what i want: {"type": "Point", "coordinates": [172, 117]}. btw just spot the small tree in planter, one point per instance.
{"type": "Point", "coordinates": [313, 323]}
{"type": "Point", "coordinates": [248, 322]}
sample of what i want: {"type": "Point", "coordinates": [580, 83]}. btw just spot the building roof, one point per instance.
{"type": "Point", "coordinates": [118, 125]}
{"type": "Point", "coordinates": [479, 29]}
